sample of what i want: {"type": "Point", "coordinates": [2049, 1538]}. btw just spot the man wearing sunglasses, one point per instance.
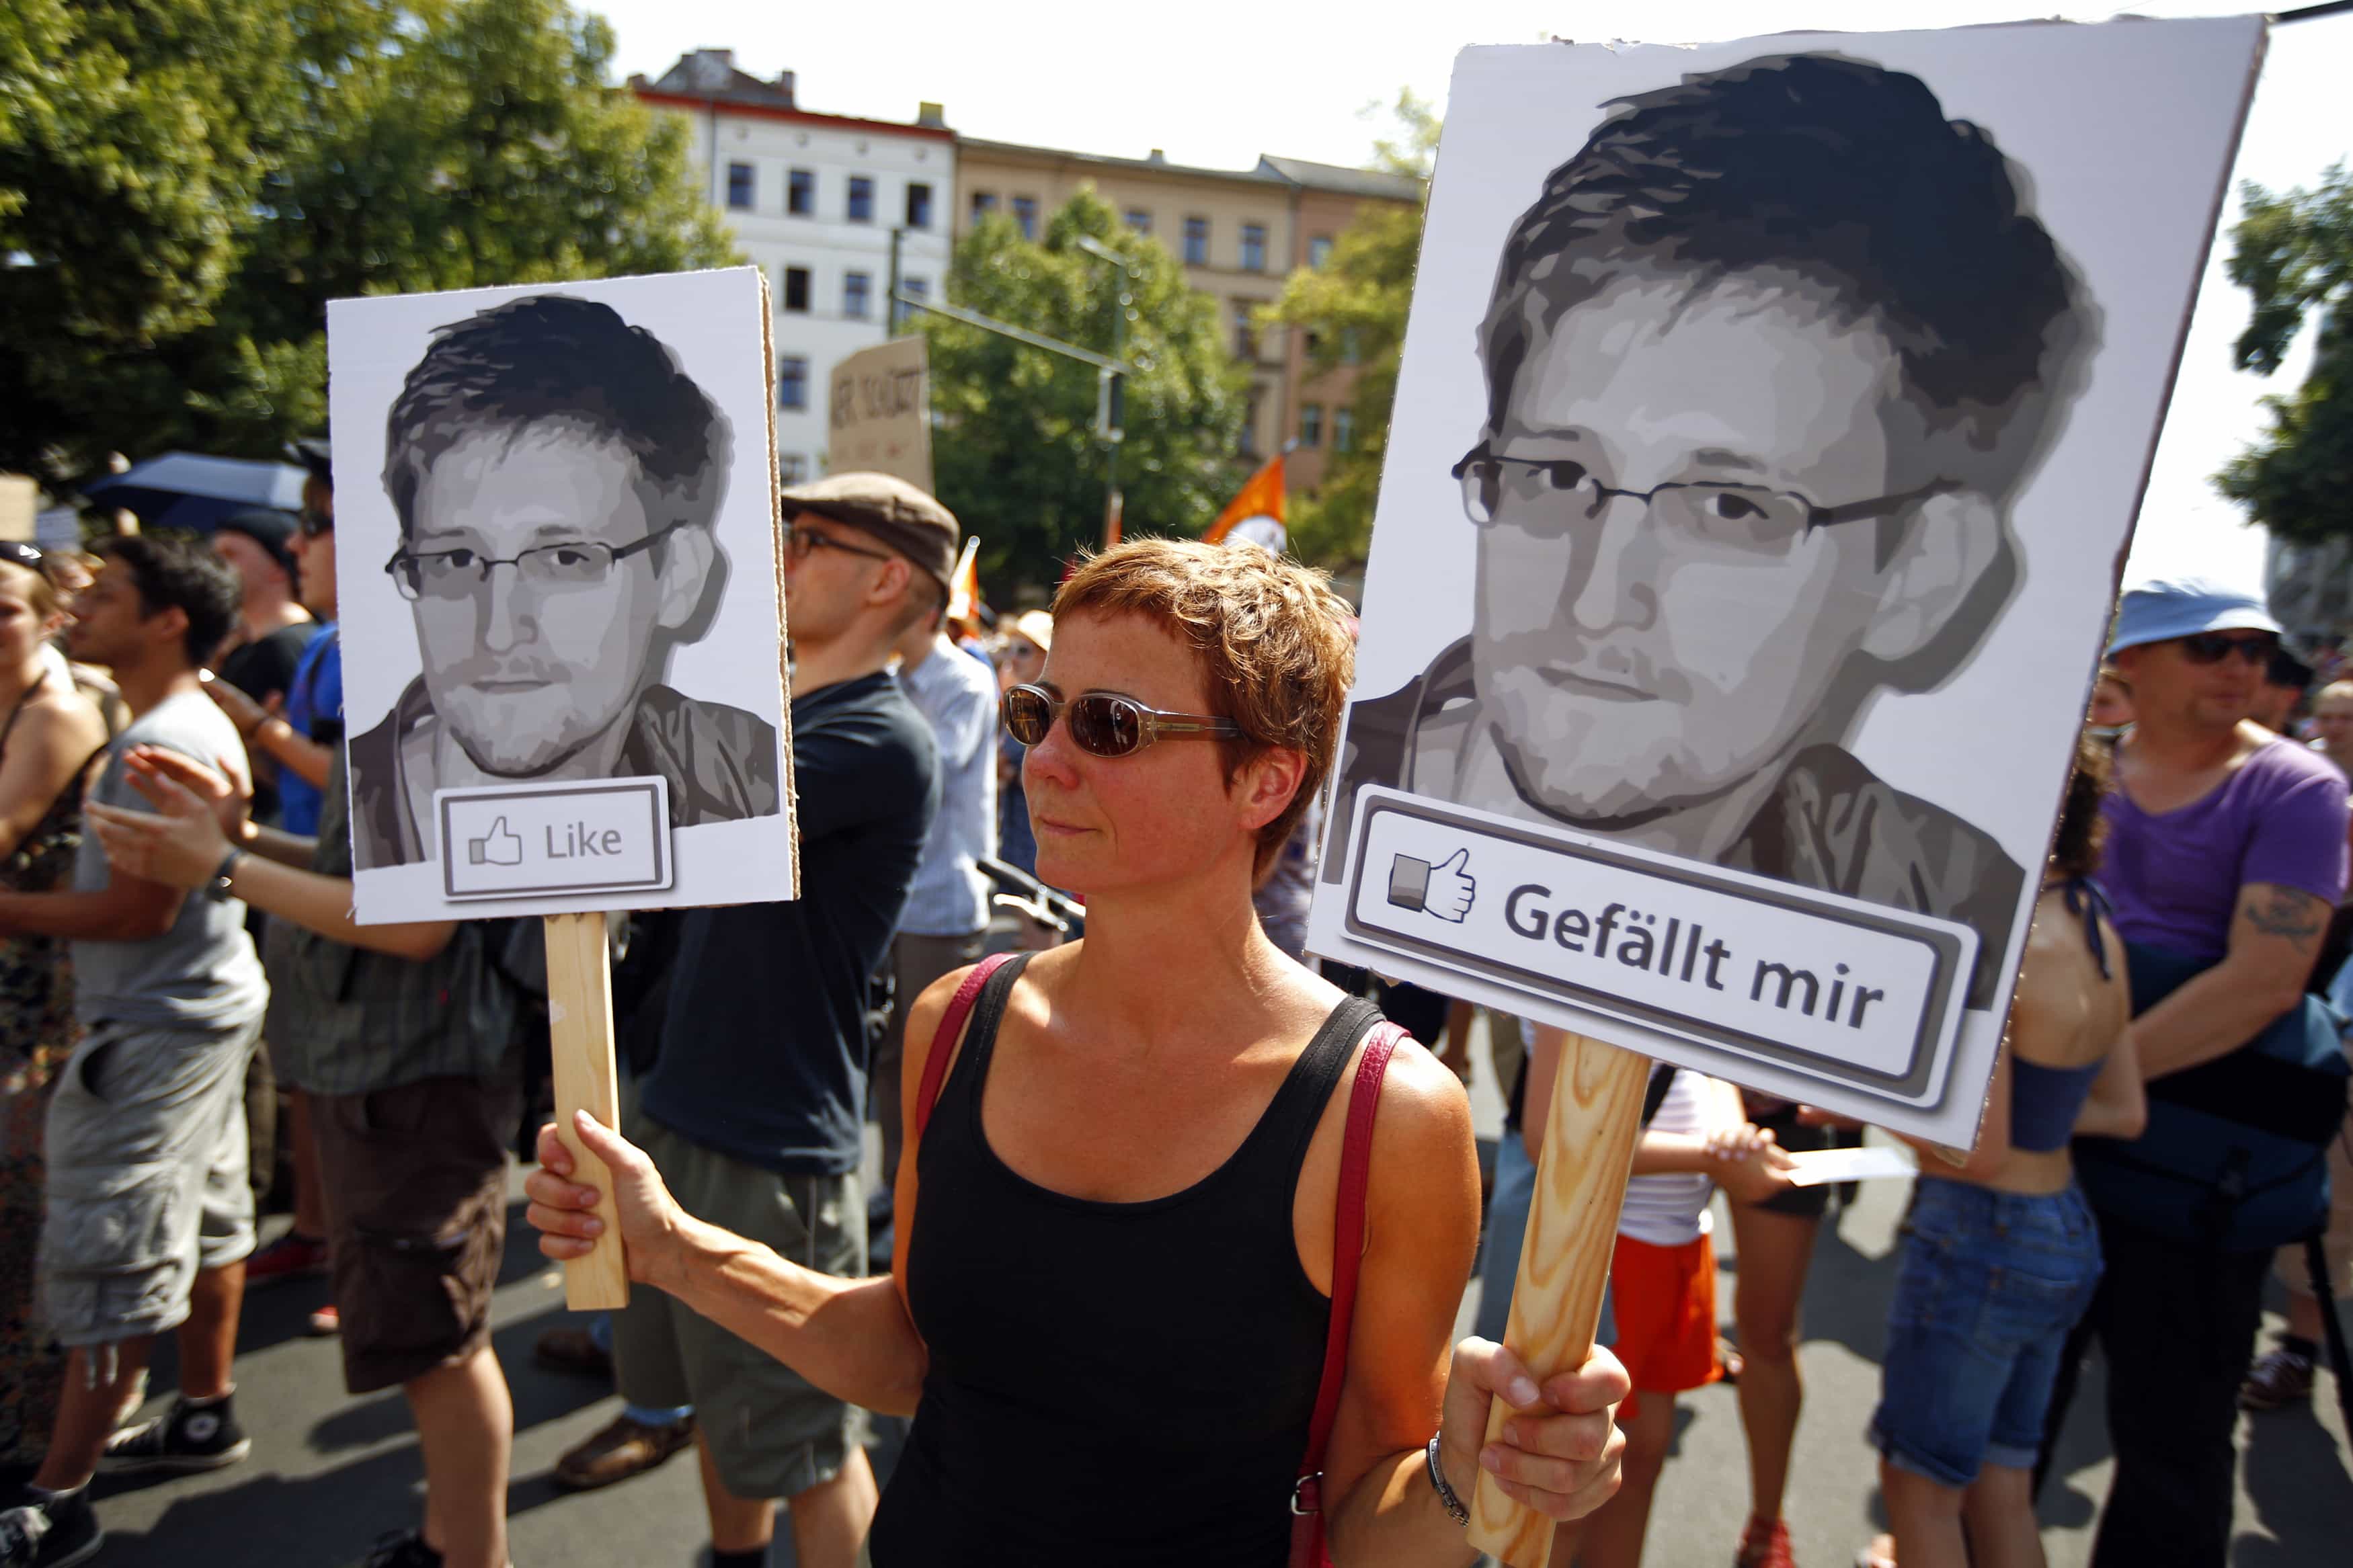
{"type": "Point", "coordinates": [2226, 853]}
{"type": "Point", "coordinates": [755, 1107]}
{"type": "Point", "coordinates": [1767, 361]}
{"type": "Point", "coordinates": [556, 474]}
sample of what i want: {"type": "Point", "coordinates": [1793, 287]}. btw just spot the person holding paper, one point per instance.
{"type": "Point", "coordinates": [1111, 1295]}
{"type": "Point", "coordinates": [2000, 1252]}
{"type": "Point", "coordinates": [1662, 1279]}
{"type": "Point", "coordinates": [1767, 362]}
{"type": "Point", "coordinates": [558, 477]}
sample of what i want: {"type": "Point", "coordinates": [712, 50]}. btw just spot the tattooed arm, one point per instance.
{"type": "Point", "coordinates": [2274, 939]}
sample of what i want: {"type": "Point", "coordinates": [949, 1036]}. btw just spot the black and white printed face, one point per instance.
{"type": "Point", "coordinates": [531, 664]}
{"type": "Point", "coordinates": [1639, 648]}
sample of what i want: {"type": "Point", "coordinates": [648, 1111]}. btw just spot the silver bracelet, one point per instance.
{"type": "Point", "coordinates": [1454, 1509]}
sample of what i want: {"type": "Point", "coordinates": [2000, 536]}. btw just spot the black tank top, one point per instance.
{"type": "Point", "coordinates": [1123, 1383]}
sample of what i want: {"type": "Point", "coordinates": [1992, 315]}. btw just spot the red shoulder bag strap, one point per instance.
{"type": "Point", "coordinates": [936, 1066]}
{"type": "Point", "coordinates": [1347, 1253]}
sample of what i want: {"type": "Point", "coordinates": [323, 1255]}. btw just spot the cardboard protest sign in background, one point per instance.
{"type": "Point", "coordinates": [1770, 426]}
{"type": "Point", "coordinates": [562, 623]}
{"type": "Point", "coordinates": [880, 416]}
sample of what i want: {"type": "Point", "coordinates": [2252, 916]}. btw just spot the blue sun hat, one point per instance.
{"type": "Point", "coordinates": [2167, 607]}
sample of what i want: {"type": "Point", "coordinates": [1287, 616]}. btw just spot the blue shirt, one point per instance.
{"type": "Point", "coordinates": [957, 697]}
{"type": "Point", "coordinates": [314, 708]}
{"type": "Point", "coordinates": [764, 1047]}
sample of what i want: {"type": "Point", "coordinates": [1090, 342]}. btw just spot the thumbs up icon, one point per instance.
{"type": "Point", "coordinates": [1445, 890]}
{"type": "Point", "coordinates": [497, 847]}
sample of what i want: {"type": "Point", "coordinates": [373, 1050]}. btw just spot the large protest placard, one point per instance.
{"type": "Point", "coordinates": [557, 569]}
{"type": "Point", "coordinates": [880, 419]}
{"type": "Point", "coordinates": [1770, 427]}
{"type": "Point", "coordinates": [558, 582]}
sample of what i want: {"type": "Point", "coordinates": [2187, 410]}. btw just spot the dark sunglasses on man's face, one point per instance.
{"type": "Point", "coordinates": [800, 540]}
{"type": "Point", "coordinates": [314, 524]}
{"type": "Point", "coordinates": [2213, 647]}
{"type": "Point", "coordinates": [29, 556]}
{"type": "Point", "coordinates": [1102, 724]}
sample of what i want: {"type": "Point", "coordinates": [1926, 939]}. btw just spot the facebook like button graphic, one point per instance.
{"type": "Point", "coordinates": [525, 840]}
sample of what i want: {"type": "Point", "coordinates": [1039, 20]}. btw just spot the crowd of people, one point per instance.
{"type": "Point", "coordinates": [1148, 1136]}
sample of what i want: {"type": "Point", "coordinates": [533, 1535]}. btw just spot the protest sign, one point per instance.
{"type": "Point", "coordinates": [1770, 424]}
{"type": "Point", "coordinates": [880, 419]}
{"type": "Point", "coordinates": [562, 624]}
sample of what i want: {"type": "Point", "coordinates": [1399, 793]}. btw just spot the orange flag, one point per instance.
{"type": "Point", "coordinates": [1256, 510]}
{"type": "Point", "coordinates": [964, 584]}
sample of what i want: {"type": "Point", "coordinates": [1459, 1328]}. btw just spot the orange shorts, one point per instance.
{"type": "Point", "coordinates": [1664, 1297]}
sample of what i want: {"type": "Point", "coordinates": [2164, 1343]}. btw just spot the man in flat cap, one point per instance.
{"type": "Point", "coordinates": [755, 1108]}
{"type": "Point", "coordinates": [556, 476]}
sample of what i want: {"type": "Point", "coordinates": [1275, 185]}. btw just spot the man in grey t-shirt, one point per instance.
{"type": "Point", "coordinates": [149, 1218]}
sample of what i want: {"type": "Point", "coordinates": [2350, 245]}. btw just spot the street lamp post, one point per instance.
{"type": "Point", "coordinates": [1111, 385]}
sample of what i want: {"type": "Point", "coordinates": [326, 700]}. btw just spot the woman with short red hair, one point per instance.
{"type": "Point", "coordinates": [1119, 1240]}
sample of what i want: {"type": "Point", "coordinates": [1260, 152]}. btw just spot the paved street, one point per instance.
{"type": "Point", "coordinates": [329, 1473]}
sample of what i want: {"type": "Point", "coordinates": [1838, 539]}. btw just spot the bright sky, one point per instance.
{"type": "Point", "coordinates": [1217, 82]}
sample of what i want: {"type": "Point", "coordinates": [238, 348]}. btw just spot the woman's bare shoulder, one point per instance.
{"type": "Point", "coordinates": [63, 715]}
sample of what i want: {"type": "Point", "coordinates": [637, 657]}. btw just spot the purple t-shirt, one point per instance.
{"type": "Point", "coordinates": [2175, 877]}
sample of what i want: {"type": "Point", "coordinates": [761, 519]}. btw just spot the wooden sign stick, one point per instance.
{"type": "Point", "coordinates": [580, 1027]}
{"type": "Point", "coordinates": [1588, 1145]}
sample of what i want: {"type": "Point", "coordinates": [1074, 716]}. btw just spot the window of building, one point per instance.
{"type": "Point", "coordinates": [792, 468]}
{"type": "Point", "coordinates": [1253, 247]}
{"type": "Point", "coordinates": [1250, 425]}
{"type": "Point", "coordinates": [1138, 220]}
{"type": "Point", "coordinates": [1025, 214]}
{"type": "Point", "coordinates": [796, 289]}
{"type": "Point", "coordinates": [1343, 429]}
{"type": "Point", "coordinates": [1319, 250]}
{"type": "Point", "coordinates": [862, 199]}
{"type": "Point", "coordinates": [800, 193]}
{"type": "Point", "coordinates": [856, 290]}
{"type": "Point", "coordinates": [1350, 351]}
{"type": "Point", "coordinates": [917, 288]}
{"type": "Point", "coordinates": [742, 185]}
{"type": "Point", "coordinates": [1245, 339]}
{"type": "Point", "coordinates": [983, 204]}
{"type": "Point", "coordinates": [1310, 425]}
{"type": "Point", "coordinates": [1197, 242]}
{"type": "Point", "coordinates": [919, 207]}
{"type": "Point", "coordinates": [792, 382]}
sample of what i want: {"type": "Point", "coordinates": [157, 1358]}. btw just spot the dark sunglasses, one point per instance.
{"type": "Point", "coordinates": [2213, 647]}
{"type": "Point", "coordinates": [29, 556]}
{"type": "Point", "coordinates": [314, 524]}
{"type": "Point", "coordinates": [800, 541]}
{"type": "Point", "coordinates": [1102, 724]}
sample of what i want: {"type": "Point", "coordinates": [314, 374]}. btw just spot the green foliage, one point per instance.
{"type": "Point", "coordinates": [1354, 308]}
{"type": "Point", "coordinates": [2294, 253]}
{"type": "Point", "coordinates": [185, 184]}
{"type": "Point", "coordinates": [1015, 455]}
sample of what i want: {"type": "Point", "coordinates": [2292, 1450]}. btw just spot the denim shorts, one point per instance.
{"type": "Point", "coordinates": [1988, 1285]}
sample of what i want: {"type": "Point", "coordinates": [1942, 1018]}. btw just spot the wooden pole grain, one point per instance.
{"type": "Point", "coordinates": [580, 1028]}
{"type": "Point", "coordinates": [1588, 1145]}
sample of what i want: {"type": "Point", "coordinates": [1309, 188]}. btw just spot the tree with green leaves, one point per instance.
{"type": "Point", "coordinates": [185, 184]}
{"type": "Point", "coordinates": [2294, 253]}
{"type": "Point", "coordinates": [1015, 454]}
{"type": "Point", "coordinates": [1354, 309]}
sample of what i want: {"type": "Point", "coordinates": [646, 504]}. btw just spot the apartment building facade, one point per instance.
{"type": "Point", "coordinates": [1326, 199]}
{"type": "Point", "coordinates": [1229, 228]}
{"type": "Point", "coordinates": [825, 204]}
